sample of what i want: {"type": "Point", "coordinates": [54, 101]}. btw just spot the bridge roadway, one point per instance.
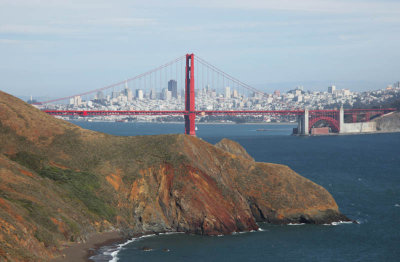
{"type": "Point", "coordinates": [172, 112]}
{"type": "Point", "coordinates": [217, 112]}
{"type": "Point", "coordinates": [306, 118]}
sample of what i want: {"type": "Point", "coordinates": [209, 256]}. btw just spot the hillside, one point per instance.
{"type": "Point", "coordinates": [61, 183]}
{"type": "Point", "coordinates": [388, 123]}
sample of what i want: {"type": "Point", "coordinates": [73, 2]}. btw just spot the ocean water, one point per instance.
{"type": "Point", "coordinates": [362, 172]}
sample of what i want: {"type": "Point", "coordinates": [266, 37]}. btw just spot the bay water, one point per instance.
{"type": "Point", "coordinates": [362, 172]}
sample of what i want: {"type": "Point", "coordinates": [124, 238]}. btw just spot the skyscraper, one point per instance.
{"type": "Point", "coordinates": [115, 94]}
{"type": "Point", "coordinates": [77, 100]}
{"type": "Point", "coordinates": [139, 94]}
{"type": "Point", "coordinates": [227, 92]}
{"type": "Point", "coordinates": [153, 94]}
{"type": "Point", "coordinates": [100, 95]}
{"type": "Point", "coordinates": [128, 92]}
{"type": "Point", "coordinates": [166, 94]}
{"type": "Point", "coordinates": [235, 94]}
{"type": "Point", "coordinates": [173, 88]}
{"type": "Point", "coordinates": [331, 89]}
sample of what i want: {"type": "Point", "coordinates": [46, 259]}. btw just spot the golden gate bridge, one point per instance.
{"type": "Point", "coordinates": [187, 68]}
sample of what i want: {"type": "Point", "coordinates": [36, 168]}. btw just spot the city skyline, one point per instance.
{"type": "Point", "coordinates": [226, 98]}
{"type": "Point", "coordinates": [48, 48]}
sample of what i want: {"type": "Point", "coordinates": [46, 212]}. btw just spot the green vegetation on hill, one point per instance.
{"type": "Point", "coordinates": [79, 186]}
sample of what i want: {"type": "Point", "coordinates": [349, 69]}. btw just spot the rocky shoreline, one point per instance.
{"type": "Point", "coordinates": [81, 252]}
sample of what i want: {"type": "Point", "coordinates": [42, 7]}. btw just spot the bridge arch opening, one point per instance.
{"type": "Point", "coordinates": [324, 121]}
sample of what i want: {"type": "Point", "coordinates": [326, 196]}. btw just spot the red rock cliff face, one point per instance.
{"type": "Point", "coordinates": [61, 183]}
{"type": "Point", "coordinates": [213, 191]}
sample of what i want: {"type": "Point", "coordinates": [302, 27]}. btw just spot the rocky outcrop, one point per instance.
{"type": "Point", "coordinates": [233, 148]}
{"type": "Point", "coordinates": [388, 123]}
{"type": "Point", "coordinates": [60, 183]}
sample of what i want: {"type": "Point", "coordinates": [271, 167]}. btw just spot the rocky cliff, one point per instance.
{"type": "Point", "coordinates": [59, 183]}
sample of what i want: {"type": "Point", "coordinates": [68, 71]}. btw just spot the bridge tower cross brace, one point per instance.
{"type": "Point", "coordinates": [190, 115]}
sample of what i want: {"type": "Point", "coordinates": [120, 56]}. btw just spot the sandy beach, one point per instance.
{"type": "Point", "coordinates": [80, 252]}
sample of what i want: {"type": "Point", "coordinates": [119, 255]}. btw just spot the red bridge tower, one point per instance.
{"type": "Point", "coordinates": [190, 114]}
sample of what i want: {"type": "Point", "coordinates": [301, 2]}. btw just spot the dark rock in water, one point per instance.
{"type": "Point", "coordinates": [165, 250]}
{"type": "Point", "coordinates": [145, 248]}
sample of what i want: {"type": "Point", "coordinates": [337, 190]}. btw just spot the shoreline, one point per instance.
{"type": "Point", "coordinates": [197, 123]}
{"type": "Point", "coordinates": [350, 134]}
{"type": "Point", "coordinates": [81, 252]}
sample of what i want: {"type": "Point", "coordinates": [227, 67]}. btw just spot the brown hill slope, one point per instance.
{"type": "Point", "coordinates": [60, 183]}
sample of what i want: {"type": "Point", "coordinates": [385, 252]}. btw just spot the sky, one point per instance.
{"type": "Point", "coordinates": [58, 48]}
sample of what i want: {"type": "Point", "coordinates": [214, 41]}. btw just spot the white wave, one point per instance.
{"type": "Point", "coordinates": [260, 229]}
{"type": "Point", "coordinates": [397, 205]}
{"type": "Point", "coordinates": [339, 223]}
{"type": "Point", "coordinates": [114, 254]}
{"type": "Point", "coordinates": [296, 224]}
{"type": "Point", "coordinates": [146, 236]}
{"type": "Point", "coordinates": [171, 233]}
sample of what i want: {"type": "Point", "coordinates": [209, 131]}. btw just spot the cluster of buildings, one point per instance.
{"type": "Point", "coordinates": [208, 98]}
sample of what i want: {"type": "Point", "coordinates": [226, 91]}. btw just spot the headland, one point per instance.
{"type": "Point", "coordinates": [62, 184]}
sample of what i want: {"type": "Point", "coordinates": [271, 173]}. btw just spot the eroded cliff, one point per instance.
{"type": "Point", "coordinates": [60, 183]}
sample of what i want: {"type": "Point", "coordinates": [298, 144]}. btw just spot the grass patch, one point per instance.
{"type": "Point", "coordinates": [45, 237]}
{"type": "Point", "coordinates": [74, 227]}
{"type": "Point", "coordinates": [83, 186]}
{"type": "Point", "coordinates": [41, 216]}
{"type": "Point", "coordinates": [37, 213]}
{"type": "Point", "coordinates": [29, 160]}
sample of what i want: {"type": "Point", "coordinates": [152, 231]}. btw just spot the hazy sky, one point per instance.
{"type": "Point", "coordinates": [56, 48]}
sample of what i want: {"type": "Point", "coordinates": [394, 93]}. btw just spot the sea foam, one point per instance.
{"type": "Point", "coordinates": [119, 247]}
{"type": "Point", "coordinates": [339, 223]}
{"type": "Point", "coordinates": [114, 254]}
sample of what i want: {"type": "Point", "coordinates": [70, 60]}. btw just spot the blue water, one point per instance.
{"type": "Point", "coordinates": [362, 172]}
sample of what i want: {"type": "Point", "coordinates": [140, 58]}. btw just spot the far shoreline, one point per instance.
{"type": "Point", "coordinates": [182, 123]}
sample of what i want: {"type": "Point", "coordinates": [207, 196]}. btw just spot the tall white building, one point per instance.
{"type": "Point", "coordinates": [227, 92]}
{"type": "Point", "coordinates": [128, 92]}
{"type": "Point", "coordinates": [235, 94]}
{"type": "Point", "coordinates": [139, 94]}
{"type": "Point", "coordinates": [167, 95]}
{"type": "Point", "coordinates": [129, 95]}
{"type": "Point", "coordinates": [153, 94]}
{"type": "Point", "coordinates": [75, 101]}
{"type": "Point", "coordinates": [331, 89]}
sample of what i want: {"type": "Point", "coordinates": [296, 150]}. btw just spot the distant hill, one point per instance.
{"type": "Point", "coordinates": [60, 183]}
